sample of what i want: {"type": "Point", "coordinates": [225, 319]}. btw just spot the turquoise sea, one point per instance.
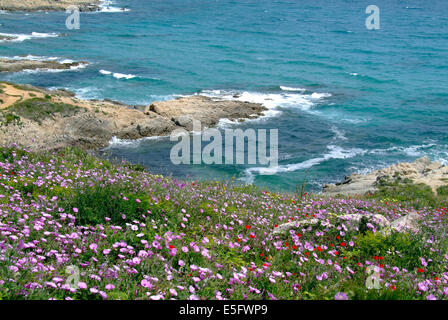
{"type": "Point", "coordinates": [344, 99]}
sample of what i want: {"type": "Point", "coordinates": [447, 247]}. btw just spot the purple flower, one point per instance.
{"type": "Point", "coordinates": [341, 296]}
{"type": "Point", "coordinates": [82, 285]}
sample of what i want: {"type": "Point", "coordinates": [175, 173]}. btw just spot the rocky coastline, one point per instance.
{"type": "Point", "coordinates": [48, 5]}
{"type": "Point", "coordinates": [37, 118]}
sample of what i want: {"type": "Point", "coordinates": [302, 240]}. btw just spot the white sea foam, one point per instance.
{"type": "Point", "coordinates": [23, 37]}
{"type": "Point", "coordinates": [107, 6]}
{"type": "Point", "coordinates": [335, 152]}
{"type": "Point", "coordinates": [274, 102]}
{"type": "Point", "coordinates": [117, 75]}
{"type": "Point", "coordinates": [116, 142]}
{"type": "Point", "coordinates": [338, 134]}
{"type": "Point", "coordinates": [292, 89]}
{"type": "Point", "coordinates": [411, 151]}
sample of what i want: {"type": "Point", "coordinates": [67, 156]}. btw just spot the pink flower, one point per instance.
{"type": "Point", "coordinates": [110, 286]}
{"type": "Point", "coordinates": [145, 283]}
{"type": "Point", "coordinates": [75, 210]}
{"type": "Point", "coordinates": [422, 286]}
{"type": "Point", "coordinates": [82, 285]}
{"type": "Point", "coordinates": [173, 292]}
{"type": "Point", "coordinates": [94, 290]}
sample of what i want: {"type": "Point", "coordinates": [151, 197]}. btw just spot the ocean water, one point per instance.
{"type": "Point", "coordinates": [344, 99]}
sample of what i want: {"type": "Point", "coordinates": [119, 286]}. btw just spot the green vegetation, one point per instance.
{"type": "Point", "coordinates": [407, 193]}
{"type": "Point", "coordinates": [9, 118]}
{"type": "Point", "coordinates": [38, 109]}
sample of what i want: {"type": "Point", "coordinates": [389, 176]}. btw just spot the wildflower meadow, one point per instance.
{"type": "Point", "coordinates": [74, 226]}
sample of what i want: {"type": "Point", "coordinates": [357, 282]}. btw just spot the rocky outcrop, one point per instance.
{"type": "Point", "coordinates": [6, 38]}
{"type": "Point", "coordinates": [356, 223]}
{"type": "Point", "coordinates": [409, 222]}
{"type": "Point", "coordinates": [48, 5]}
{"type": "Point", "coordinates": [16, 65]}
{"type": "Point", "coordinates": [433, 174]}
{"type": "Point", "coordinates": [92, 124]}
{"type": "Point", "coordinates": [208, 111]}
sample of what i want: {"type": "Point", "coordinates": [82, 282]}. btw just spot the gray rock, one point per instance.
{"type": "Point", "coordinates": [285, 227]}
{"type": "Point", "coordinates": [183, 121]}
{"type": "Point", "coordinates": [409, 222]}
{"type": "Point", "coordinates": [353, 221]}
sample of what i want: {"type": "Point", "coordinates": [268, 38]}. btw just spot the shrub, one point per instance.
{"type": "Point", "coordinates": [38, 109]}
{"type": "Point", "coordinates": [96, 203]}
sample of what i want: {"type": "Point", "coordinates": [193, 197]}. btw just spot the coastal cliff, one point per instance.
{"type": "Point", "coordinates": [48, 5]}
{"type": "Point", "coordinates": [41, 119]}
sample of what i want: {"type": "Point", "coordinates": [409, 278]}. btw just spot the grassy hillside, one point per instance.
{"type": "Point", "coordinates": [134, 235]}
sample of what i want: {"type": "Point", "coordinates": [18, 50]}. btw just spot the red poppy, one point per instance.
{"type": "Point", "coordinates": [393, 287]}
{"type": "Point", "coordinates": [294, 247]}
{"type": "Point", "coordinates": [247, 227]}
{"type": "Point", "coordinates": [381, 266]}
{"type": "Point", "coordinates": [319, 249]}
{"type": "Point", "coordinates": [276, 225]}
{"type": "Point", "coordinates": [337, 237]}
{"type": "Point", "coordinates": [287, 244]}
{"type": "Point", "coordinates": [171, 246]}
{"type": "Point", "coordinates": [299, 235]}
{"type": "Point", "coordinates": [261, 254]}
{"type": "Point", "coordinates": [343, 244]}
{"type": "Point", "coordinates": [421, 270]}
{"type": "Point", "coordinates": [436, 278]}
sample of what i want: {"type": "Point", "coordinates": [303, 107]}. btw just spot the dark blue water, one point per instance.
{"type": "Point", "coordinates": [367, 98]}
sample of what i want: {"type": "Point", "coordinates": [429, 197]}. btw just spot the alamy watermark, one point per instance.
{"type": "Point", "coordinates": [373, 280]}
{"type": "Point", "coordinates": [73, 21]}
{"type": "Point", "coordinates": [189, 149]}
{"type": "Point", "coordinates": [373, 20]}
